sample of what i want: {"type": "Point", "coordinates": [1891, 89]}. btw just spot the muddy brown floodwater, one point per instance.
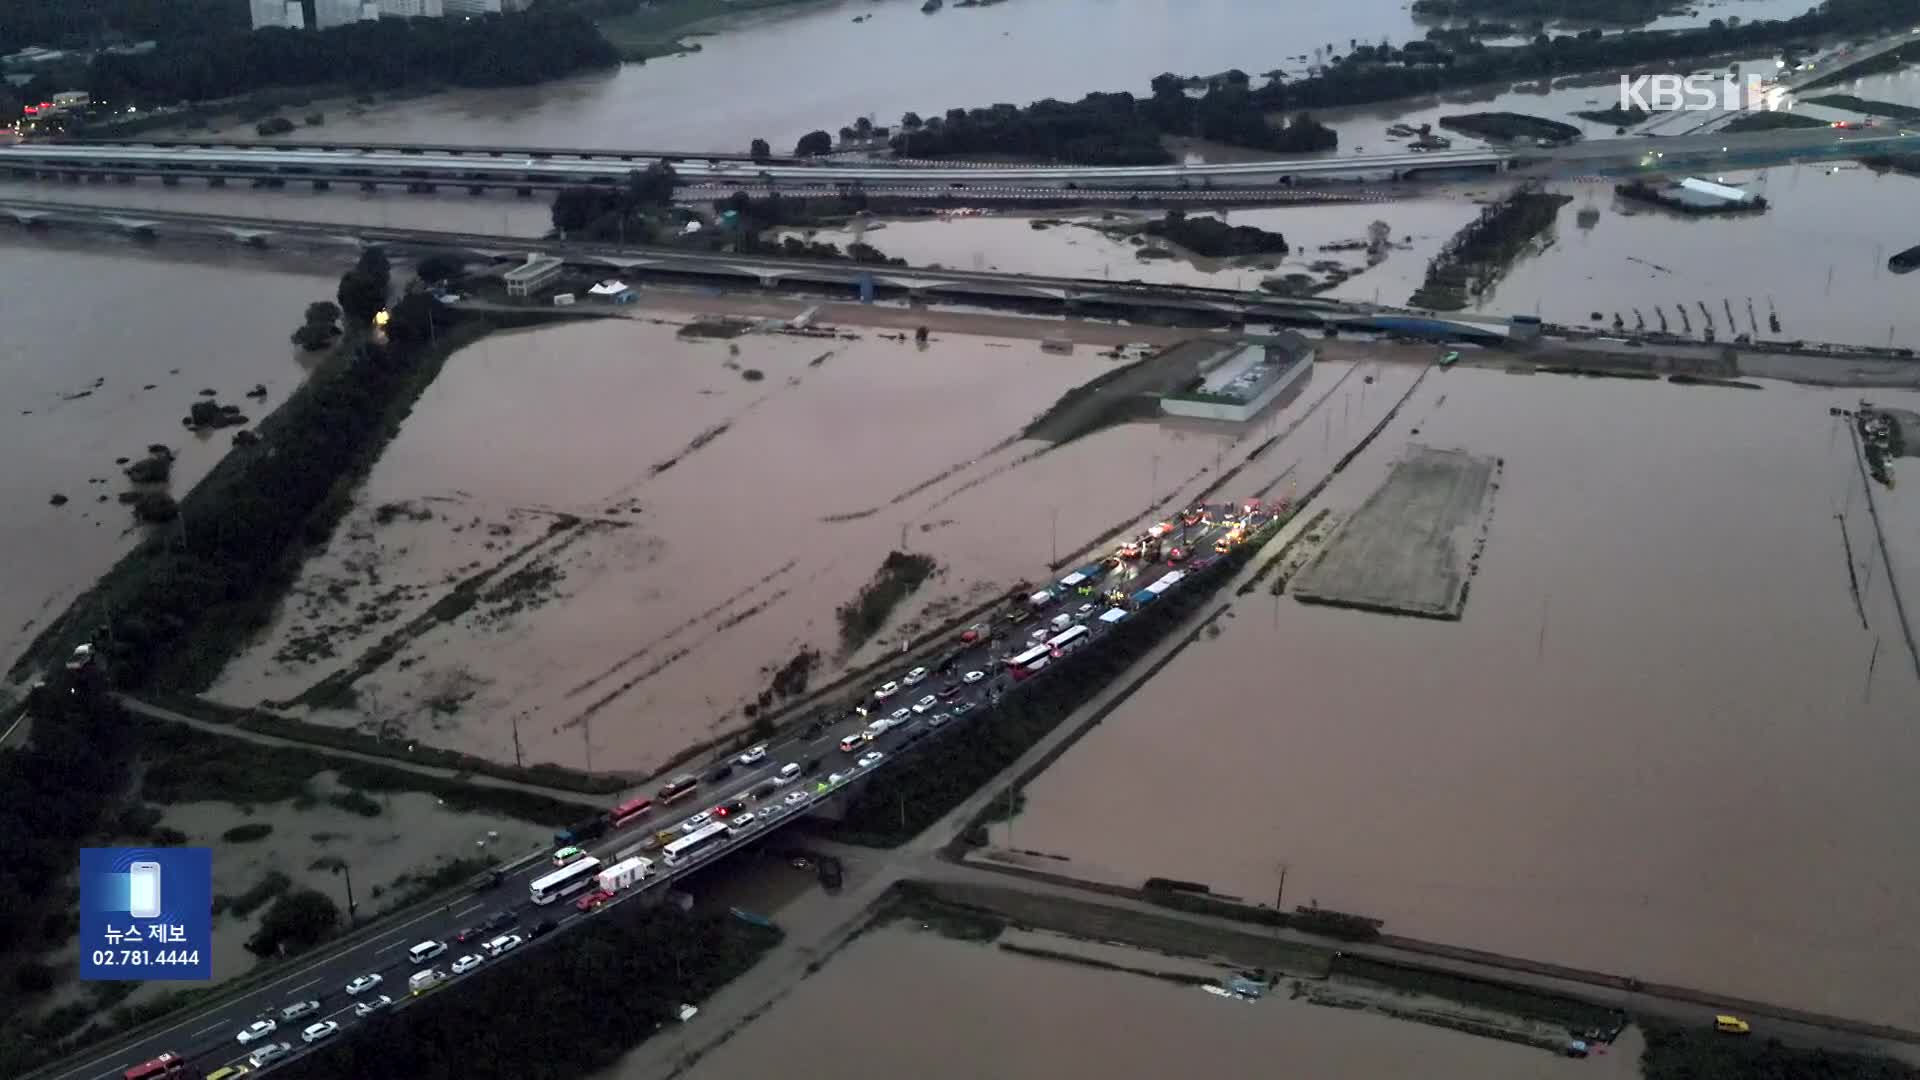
{"type": "Point", "coordinates": [1652, 746]}
{"type": "Point", "coordinates": [902, 1001]}
{"type": "Point", "coordinates": [105, 349]}
{"type": "Point", "coordinates": [646, 534]}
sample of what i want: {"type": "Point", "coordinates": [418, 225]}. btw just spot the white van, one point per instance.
{"type": "Point", "coordinates": [877, 729]}
{"type": "Point", "coordinates": [422, 981]}
{"type": "Point", "coordinates": [1040, 599]}
{"type": "Point", "coordinates": [739, 823]}
{"type": "Point", "coordinates": [425, 951]}
{"type": "Point", "coordinates": [1061, 622]}
{"type": "Point", "coordinates": [788, 774]}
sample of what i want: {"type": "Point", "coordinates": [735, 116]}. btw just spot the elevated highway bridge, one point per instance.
{"type": "Point", "coordinates": [1596, 157]}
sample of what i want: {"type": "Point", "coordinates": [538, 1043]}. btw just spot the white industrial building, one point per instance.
{"type": "Point", "coordinates": [535, 274]}
{"type": "Point", "coordinates": [328, 14]}
{"type": "Point", "coordinates": [1242, 378]}
{"type": "Point", "coordinates": [485, 7]}
{"type": "Point", "coordinates": [411, 9]}
{"type": "Point", "coordinates": [283, 14]}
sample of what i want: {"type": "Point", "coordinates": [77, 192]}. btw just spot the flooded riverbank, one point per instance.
{"type": "Point", "coordinates": [943, 1008]}
{"type": "Point", "coordinates": [107, 346]}
{"type": "Point", "coordinates": [896, 60]}
{"type": "Point", "coordinates": [1588, 768]}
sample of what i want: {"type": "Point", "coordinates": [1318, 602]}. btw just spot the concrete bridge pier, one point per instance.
{"type": "Point", "coordinates": [169, 181]}
{"type": "Point", "coordinates": [123, 178]}
{"type": "Point", "coordinates": [477, 189]}
{"type": "Point", "coordinates": [322, 185]}
{"type": "Point", "coordinates": [216, 181]}
{"type": "Point", "coordinates": [525, 192]}
{"type": "Point", "coordinates": [368, 185]}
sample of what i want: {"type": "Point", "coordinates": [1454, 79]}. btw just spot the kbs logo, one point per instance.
{"type": "Point", "coordinates": [1692, 93]}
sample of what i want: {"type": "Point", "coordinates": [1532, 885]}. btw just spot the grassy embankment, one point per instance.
{"type": "Point", "coordinates": [1863, 105]}
{"type": "Point", "coordinates": [1771, 121]}
{"type": "Point", "coordinates": [1677, 1053]}
{"type": "Point", "coordinates": [602, 989]}
{"type": "Point", "coordinates": [661, 28]}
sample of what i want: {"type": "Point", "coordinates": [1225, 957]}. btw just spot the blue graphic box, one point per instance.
{"type": "Point", "coordinates": [146, 913]}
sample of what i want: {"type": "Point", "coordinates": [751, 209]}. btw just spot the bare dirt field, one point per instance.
{"type": "Point", "coordinates": [1408, 548]}
{"type": "Point", "coordinates": [610, 536]}
{"type": "Point", "coordinates": [1662, 741]}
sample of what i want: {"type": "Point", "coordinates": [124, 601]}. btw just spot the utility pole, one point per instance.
{"type": "Point", "coordinates": [1054, 536]}
{"type": "Point", "coordinates": [516, 740]}
{"type": "Point", "coordinates": [1279, 894]}
{"type": "Point", "coordinates": [586, 738]}
{"type": "Point", "coordinates": [1009, 817]}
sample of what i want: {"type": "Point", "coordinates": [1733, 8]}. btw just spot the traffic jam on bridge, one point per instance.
{"type": "Point", "coordinates": [649, 840]}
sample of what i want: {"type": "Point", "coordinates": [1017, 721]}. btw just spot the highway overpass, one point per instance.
{"type": "Point", "coordinates": [207, 1037]}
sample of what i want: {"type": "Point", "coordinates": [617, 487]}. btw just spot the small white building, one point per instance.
{"type": "Point", "coordinates": [535, 274]}
{"type": "Point", "coordinates": [618, 292]}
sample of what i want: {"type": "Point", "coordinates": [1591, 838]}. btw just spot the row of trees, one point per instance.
{"type": "Point", "coordinates": [495, 50]}
{"type": "Point", "coordinates": [81, 23]}
{"type": "Point", "coordinates": [1120, 129]}
{"type": "Point", "coordinates": [182, 599]}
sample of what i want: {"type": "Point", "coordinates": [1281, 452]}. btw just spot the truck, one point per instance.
{"type": "Point", "coordinates": [624, 873]}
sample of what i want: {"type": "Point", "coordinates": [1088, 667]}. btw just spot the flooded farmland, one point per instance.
{"type": "Point", "coordinates": [1660, 742]}
{"type": "Point", "coordinates": [602, 540]}
{"type": "Point", "coordinates": [938, 1008]}
{"type": "Point", "coordinates": [107, 346]}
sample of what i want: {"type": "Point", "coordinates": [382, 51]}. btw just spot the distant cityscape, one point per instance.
{"type": "Point", "coordinates": [323, 14]}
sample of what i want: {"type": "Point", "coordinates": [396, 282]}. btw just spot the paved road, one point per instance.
{"type": "Point", "coordinates": [207, 1038]}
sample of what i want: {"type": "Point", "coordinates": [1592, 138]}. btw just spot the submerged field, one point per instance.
{"type": "Point", "coordinates": [610, 536]}
{"type": "Point", "coordinates": [1659, 743]}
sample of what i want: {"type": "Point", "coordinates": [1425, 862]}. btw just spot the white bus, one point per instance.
{"type": "Point", "coordinates": [707, 836]}
{"type": "Point", "coordinates": [1038, 652]}
{"type": "Point", "coordinates": [566, 881]}
{"type": "Point", "coordinates": [1060, 642]}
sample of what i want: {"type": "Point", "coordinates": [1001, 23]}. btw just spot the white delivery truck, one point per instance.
{"type": "Point", "coordinates": [423, 981]}
{"type": "Point", "coordinates": [624, 873]}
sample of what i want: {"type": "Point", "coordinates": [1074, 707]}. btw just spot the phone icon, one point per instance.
{"type": "Point", "coordinates": [143, 891]}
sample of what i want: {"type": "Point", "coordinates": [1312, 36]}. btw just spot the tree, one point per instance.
{"type": "Point", "coordinates": [374, 261]}
{"type": "Point", "coordinates": [323, 313]}
{"type": "Point", "coordinates": [361, 295]}
{"type": "Point", "coordinates": [1377, 235]}
{"type": "Point", "coordinates": [439, 267]}
{"type": "Point", "coordinates": [296, 921]}
{"type": "Point", "coordinates": [652, 187]}
{"type": "Point", "coordinates": [912, 122]}
{"type": "Point", "coordinates": [760, 151]}
{"type": "Point", "coordinates": [813, 144]}
{"type": "Point", "coordinates": [863, 127]}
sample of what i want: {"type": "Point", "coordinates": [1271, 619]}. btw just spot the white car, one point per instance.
{"type": "Point", "coordinates": [869, 759]}
{"type": "Point", "coordinates": [795, 798]}
{"type": "Point", "coordinates": [753, 757]}
{"type": "Point", "coordinates": [915, 677]}
{"type": "Point", "coordinates": [362, 984]}
{"type": "Point", "coordinates": [319, 1031]}
{"type": "Point", "coordinates": [696, 821]}
{"type": "Point", "coordinates": [299, 1009]}
{"type": "Point", "coordinates": [886, 691]}
{"type": "Point", "coordinates": [973, 676]}
{"type": "Point", "coordinates": [1085, 610]}
{"type": "Point", "coordinates": [506, 943]}
{"type": "Point", "coordinates": [465, 964]}
{"type": "Point", "coordinates": [837, 779]}
{"type": "Point", "coordinates": [268, 1054]}
{"type": "Point", "coordinates": [925, 703]}
{"type": "Point", "coordinates": [374, 1005]}
{"type": "Point", "coordinates": [901, 716]}
{"type": "Point", "coordinates": [259, 1029]}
